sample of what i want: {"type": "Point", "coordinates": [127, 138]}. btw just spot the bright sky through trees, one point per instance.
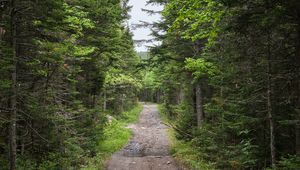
{"type": "Point", "coordinates": [138, 15]}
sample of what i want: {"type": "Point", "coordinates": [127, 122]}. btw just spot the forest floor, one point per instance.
{"type": "Point", "coordinates": [149, 147]}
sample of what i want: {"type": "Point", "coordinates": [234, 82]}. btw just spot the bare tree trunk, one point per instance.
{"type": "Point", "coordinates": [199, 105]}
{"type": "Point", "coordinates": [181, 95]}
{"type": "Point", "coordinates": [270, 107]}
{"type": "Point", "coordinates": [297, 87]}
{"type": "Point", "coordinates": [94, 101]}
{"type": "Point", "coordinates": [122, 99]}
{"type": "Point", "coordinates": [157, 96]}
{"type": "Point", "coordinates": [178, 96]}
{"type": "Point", "coordinates": [271, 122]}
{"type": "Point", "coordinates": [297, 138]}
{"type": "Point", "coordinates": [22, 147]}
{"type": "Point", "coordinates": [104, 100]}
{"type": "Point", "coordinates": [13, 116]}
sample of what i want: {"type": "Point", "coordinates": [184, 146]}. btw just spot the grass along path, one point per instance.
{"type": "Point", "coordinates": [183, 152]}
{"type": "Point", "coordinates": [148, 149]}
{"type": "Point", "coordinates": [116, 135]}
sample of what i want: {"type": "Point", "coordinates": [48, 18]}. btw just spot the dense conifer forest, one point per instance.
{"type": "Point", "coordinates": [226, 76]}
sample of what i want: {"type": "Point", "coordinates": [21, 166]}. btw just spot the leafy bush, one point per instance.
{"type": "Point", "coordinates": [292, 162]}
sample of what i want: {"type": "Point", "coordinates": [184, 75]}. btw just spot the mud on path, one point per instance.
{"type": "Point", "coordinates": [149, 147]}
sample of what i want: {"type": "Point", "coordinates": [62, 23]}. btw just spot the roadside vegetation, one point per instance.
{"type": "Point", "coordinates": [184, 152]}
{"type": "Point", "coordinates": [115, 136]}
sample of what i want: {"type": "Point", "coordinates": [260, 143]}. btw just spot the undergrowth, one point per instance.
{"type": "Point", "coordinates": [184, 153]}
{"type": "Point", "coordinates": [116, 135]}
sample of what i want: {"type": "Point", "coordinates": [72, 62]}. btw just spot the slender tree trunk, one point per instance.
{"type": "Point", "coordinates": [198, 88]}
{"type": "Point", "coordinates": [32, 138]}
{"type": "Point", "coordinates": [270, 106]}
{"type": "Point", "coordinates": [297, 86]}
{"type": "Point", "coordinates": [94, 101]}
{"type": "Point", "coordinates": [13, 116]}
{"type": "Point", "coordinates": [271, 122]}
{"type": "Point", "coordinates": [104, 100]}
{"type": "Point", "coordinates": [178, 95]}
{"type": "Point", "coordinates": [199, 105]}
{"type": "Point", "coordinates": [297, 138]}
{"type": "Point", "coordinates": [181, 95]}
{"type": "Point", "coordinates": [122, 99]}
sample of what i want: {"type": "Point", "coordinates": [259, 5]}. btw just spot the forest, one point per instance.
{"type": "Point", "coordinates": [226, 77]}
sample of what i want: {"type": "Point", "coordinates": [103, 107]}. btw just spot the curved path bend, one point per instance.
{"type": "Point", "coordinates": [149, 147]}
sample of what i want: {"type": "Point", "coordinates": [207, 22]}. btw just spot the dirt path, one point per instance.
{"type": "Point", "coordinates": [148, 149]}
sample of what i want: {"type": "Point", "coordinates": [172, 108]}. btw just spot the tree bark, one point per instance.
{"type": "Point", "coordinates": [158, 96]}
{"type": "Point", "coordinates": [13, 116]}
{"type": "Point", "coordinates": [271, 124]}
{"type": "Point", "coordinates": [199, 105]}
{"type": "Point", "coordinates": [297, 138]}
{"type": "Point", "coordinates": [122, 99]}
{"type": "Point", "coordinates": [104, 100]}
{"type": "Point", "coordinates": [270, 106]}
{"type": "Point", "coordinates": [94, 101]}
{"type": "Point", "coordinates": [297, 85]}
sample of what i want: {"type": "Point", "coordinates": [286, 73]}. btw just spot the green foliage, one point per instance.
{"type": "Point", "coordinates": [200, 68]}
{"type": "Point", "coordinates": [199, 18]}
{"type": "Point", "coordinates": [183, 151]}
{"type": "Point", "coordinates": [115, 138]}
{"type": "Point", "coordinates": [186, 154]}
{"type": "Point", "coordinates": [185, 121]}
{"type": "Point", "coordinates": [119, 80]}
{"type": "Point", "coordinates": [150, 80]}
{"type": "Point", "coordinates": [292, 162]}
{"type": "Point", "coordinates": [116, 135]}
{"type": "Point", "coordinates": [71, 57]}
{"type": "Point", "coordinates": [132, 115]}
{"type": "Point", "coordinates": [230, 59]}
